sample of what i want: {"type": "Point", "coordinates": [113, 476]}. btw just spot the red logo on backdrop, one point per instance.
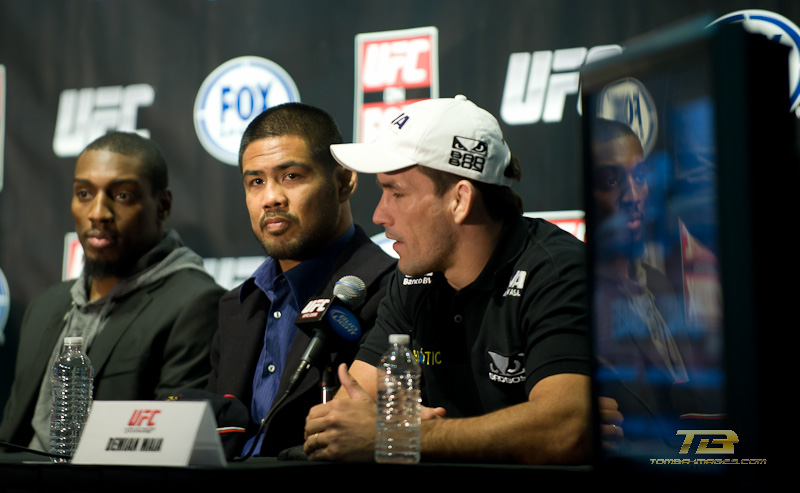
{"type": "Point", "coordinates": [393, 69]}
{"type": "Point", "coordinates": [73, 257]}
{"type": "Point", "coordinates": [573, 222]}
{"type": "Point", "coordinates": [141, 417]}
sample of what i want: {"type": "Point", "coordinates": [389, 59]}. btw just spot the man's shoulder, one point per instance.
{"type": "Point", "coordinates": [185, 285]}
{"type": "Point", "coordinates": [53, 292]}
{"type": "Point", "coordinates": [363, 248]}
{"type": "Point", "coordinates": [546, 240]}
{"type": "Point", "coordinates": [544, 230]}
{"type": "Point", "coordinates": [545, 253]}
{"type": "Point", "coordinates": [363, 258]}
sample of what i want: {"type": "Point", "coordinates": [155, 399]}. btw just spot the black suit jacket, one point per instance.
{"type": "Point", "coordinates": [156, 341]}
{"type": "Point", "coordinates": [237, 345]}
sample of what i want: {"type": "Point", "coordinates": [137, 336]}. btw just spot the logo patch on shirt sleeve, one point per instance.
{"type": "Point", "coordinates": [506, 369]}
{"type": "Point", "coordinates": [516, 284]}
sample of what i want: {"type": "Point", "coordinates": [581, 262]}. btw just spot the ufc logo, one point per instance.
{"type": "Point", "coordinates": [538, 83]}
{"type": "Point", "coordinates": [140, 416]}
{"type": "Point", "coordinates": [403, 62]}
{"type": "Point", "coordinates": [85, 114]}
{"type": "Point", "coordinates": [317, 305]}
{"type": "Point", "coordinates": [709, 446]}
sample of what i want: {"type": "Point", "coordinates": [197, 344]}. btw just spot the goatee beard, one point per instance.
{"type": "Point", "coordinates": [93, 269]}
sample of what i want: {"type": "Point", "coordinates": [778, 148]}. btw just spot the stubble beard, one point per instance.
{"type": "Point", "coordinates": [98, 269]}
{"type": "Point", "coordinates": [305, 244]}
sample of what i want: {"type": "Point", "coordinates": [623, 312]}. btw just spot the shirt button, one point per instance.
{"type": "Point", "coordinates": [271, 368]}
{"type": "Point", "coordinates": [277, 314]}
{"type": "Point", "coordinates": [457, 319]}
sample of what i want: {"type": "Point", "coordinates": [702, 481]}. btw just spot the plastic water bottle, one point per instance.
{"type": "Point", "coordinates": [397, 437]}
{"type": "Point", "coordinates": [72, 379]}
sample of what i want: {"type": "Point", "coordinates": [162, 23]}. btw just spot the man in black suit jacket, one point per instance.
{"type": "Point", "coordinates": [143, 303]}
{"type": "Point", "coordinates": [298, 199]}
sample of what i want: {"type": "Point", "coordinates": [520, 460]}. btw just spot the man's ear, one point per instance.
{"type": "Point", "coordinates": [164, 204]}
{"type": "Point", "coordinates": [347, 182]}
{"type": "Point", "coordinates": [463, 195]}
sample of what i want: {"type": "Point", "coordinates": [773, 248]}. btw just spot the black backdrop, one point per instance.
{"type": "Point", "coordinates": [140, 64]}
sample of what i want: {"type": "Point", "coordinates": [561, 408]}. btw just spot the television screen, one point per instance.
{"type": "Point", "coordinates": [674, 129]}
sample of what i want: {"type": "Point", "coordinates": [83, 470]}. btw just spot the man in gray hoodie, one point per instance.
{"type": "Point", "coordinates": [144, 305]}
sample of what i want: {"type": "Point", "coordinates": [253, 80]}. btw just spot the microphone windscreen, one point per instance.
{"type": "Point", "coordinates": [351, 291]}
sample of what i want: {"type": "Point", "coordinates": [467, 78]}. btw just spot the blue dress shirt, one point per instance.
{"type": "Point", "coordinates": [287, 293]}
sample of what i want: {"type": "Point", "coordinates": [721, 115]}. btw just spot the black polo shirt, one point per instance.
{"type": "Point", "coordinates": [484, 347]}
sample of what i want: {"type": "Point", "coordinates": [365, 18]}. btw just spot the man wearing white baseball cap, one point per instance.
{"type": "Point", "coordinates": [495, 303]}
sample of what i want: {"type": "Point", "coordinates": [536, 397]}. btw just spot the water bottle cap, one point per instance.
{"type": "Point", "coordinates": [73, 341]}
{"type": "Point", "coordinates": [400, 339]}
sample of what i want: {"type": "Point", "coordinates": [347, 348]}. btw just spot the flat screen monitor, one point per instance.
{"type": "Point", "coordinates": [688, 158]}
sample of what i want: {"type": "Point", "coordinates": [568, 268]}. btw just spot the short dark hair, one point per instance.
{"type": "Point", "coordinates": [607, 130]}
{"type": "Point", "coordinates": [316, 127]}
{"type": "Point", "coordinates": [501, 202]}
{"type": "Point", "coordinates": [134, 145]}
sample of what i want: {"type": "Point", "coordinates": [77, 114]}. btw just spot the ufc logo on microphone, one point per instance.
{"type": "Point", "coordinates": [317, 305]}
{"type": "Point", "coordinates": [709, 446]}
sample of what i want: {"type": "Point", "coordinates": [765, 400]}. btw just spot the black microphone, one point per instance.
{"type": "Point", "coordinates": [329, 321]}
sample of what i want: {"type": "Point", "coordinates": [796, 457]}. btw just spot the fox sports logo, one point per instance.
{"type": "Point", "coordinates": [628, 101]}
{"type": "Point", "coordinates": [777, 28]}
{"type": "Point", "coordinates": [231, 96]}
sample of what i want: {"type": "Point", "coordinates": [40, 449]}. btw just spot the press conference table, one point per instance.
{"type": "Point", "coordinates": [26, 472]}
{"type": "Point", "coordinates": [29, 472]}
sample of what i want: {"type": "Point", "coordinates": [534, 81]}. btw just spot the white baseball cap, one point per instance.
{"type": "Point", "coordinates": [450, 134]}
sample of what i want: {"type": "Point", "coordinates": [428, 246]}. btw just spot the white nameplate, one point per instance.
{"type": "Point", "coordinates": [151, 433]}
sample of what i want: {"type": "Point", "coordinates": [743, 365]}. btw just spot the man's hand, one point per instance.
{"type": "Point", "coordinates": [431, 412]}
{"type": "Point", "coordinates": [610, 422]}
{"type": "Point", "coordinates": [342, 429]}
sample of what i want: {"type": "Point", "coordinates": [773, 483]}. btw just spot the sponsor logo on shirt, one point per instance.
{"type": "Point", "coordinates": [413, 281]}
{"type": "Point", "coordinates": [516, 284]}
{"type": "Point", "coordinates": [506, 369]}
{"type": "Point", "coordinates": [428, 357]}
{"type": "Point", "coordinates": [88, 113]}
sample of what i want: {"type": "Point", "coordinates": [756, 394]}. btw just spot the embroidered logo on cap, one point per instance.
{"type": "Point", "coordinates": [469, 153]}
{"type": "Point", "coordinates": [401, 120]}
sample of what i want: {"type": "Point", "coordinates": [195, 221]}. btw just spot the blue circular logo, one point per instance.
{"type": "Point", "coordinates": [777, 28]}
{"type": "Point", "coordinates": [5, 304]}
{"type": "Point", "coordinates": [628, 101]}
{"type": "Point", "coordinates": [231, 96]}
